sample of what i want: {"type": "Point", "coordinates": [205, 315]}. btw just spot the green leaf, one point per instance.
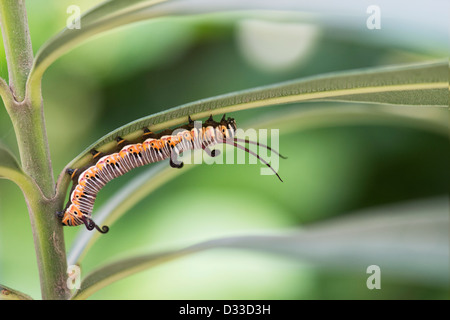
{"type": "Point", "coordinates": [104, 17]}
{"type": "Point", "coordinates": [407, 241]}
{"type": "Point", "coordinates": [423, 84]}
{"type": "Point", "coordinates": [10, 294]}
{"type": "Point", "coordinates": [116, 13]}
{"type": "Point", "coordinates": [293, 121]}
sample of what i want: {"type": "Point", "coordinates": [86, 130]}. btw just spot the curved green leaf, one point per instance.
{"type": "Point", "coordinates": [10, 294]}
{"type": "Point", "coordinates": [426, 85]}
{"type": "Point", "coordinates": [408, 241]}
{"type": "Point", "coordinates": [293, 121]}
{"type": "Point", "coordinates": [104, 17]}
{"type": "Point", "coordinates": [116, 13]}
{"type": "Point", "coordinates": [414, 85]}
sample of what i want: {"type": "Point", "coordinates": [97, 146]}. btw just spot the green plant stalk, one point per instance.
{"type": "Point", "coordinates": [50, 249]}
{"type": "Point", "coordinates": [42, 205]}
{"type": "Point", "coordinates": [29, 126]}
{"type": "Point", "coordinates": [19, 52]}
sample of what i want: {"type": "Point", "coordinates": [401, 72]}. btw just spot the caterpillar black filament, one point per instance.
{"type": "Point", "coordinates": [154, 147]}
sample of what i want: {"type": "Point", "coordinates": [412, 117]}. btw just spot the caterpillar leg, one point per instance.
{"type": "Point", "coordinates": [72, 173]}
{"type": "Point", "coordinates": [96, 154]}
{"type": "Point", "coordinates": [120, 141]}
{"type": "Point", "coordinates": [147, 133]}
{"type": "Point", "coordinates": [174, 163]}
{"type": "Point", "coordinates": [212, 153]}
{"type": "Point", "coordinates": [59, 214]}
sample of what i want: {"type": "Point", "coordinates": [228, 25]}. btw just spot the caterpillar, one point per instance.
{"type": "Point", "coordinates": [152, 147]}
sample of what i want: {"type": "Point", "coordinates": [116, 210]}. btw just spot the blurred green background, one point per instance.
{"type": "Point", "coordinates": [331, 171]}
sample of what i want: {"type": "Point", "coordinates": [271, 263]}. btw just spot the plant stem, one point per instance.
{"type": "Point", "coordinates": [28, 121]}
{"type": "Point", "coordinates": [48, 235]}
{"type": "Point", "coordinates": [18, 49]}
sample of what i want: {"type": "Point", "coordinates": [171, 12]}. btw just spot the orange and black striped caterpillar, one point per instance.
{"type": "Point", "coordinates": [153, 147]}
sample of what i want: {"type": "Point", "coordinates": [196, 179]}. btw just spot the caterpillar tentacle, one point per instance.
{"type": "Point", "coordinates": [260, 145]}
{"type": "Point", "coordinates": [253, 154]}
{"type": "Point", "coordinates": [91, 225]}
{"type": "Point", "coordinates": [103, 229]}
{"type": "Point", "coordinates": [153, 147]}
